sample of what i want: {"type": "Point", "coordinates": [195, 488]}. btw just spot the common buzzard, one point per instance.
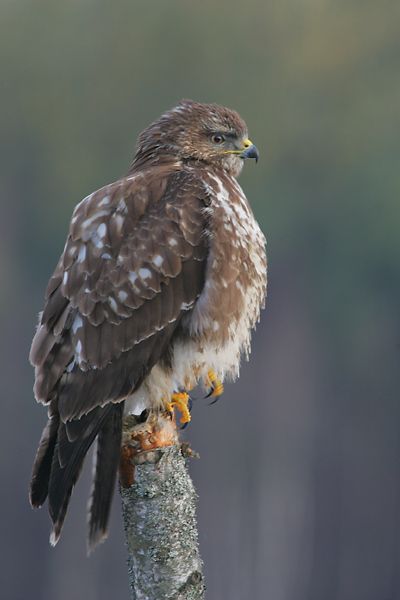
{"type": "Point", "coordinates": [161, 280]}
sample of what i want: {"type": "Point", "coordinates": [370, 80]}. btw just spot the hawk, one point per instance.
{"type": "Point", "coordinates": [160, 283]}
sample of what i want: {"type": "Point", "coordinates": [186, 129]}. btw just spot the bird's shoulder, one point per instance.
{"type": "Point", "coordinates": [126, 239]}
{"type": "Point", "coordinates": [120, 206]}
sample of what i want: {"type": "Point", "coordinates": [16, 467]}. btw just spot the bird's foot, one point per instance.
{"type": "Point", "coordinates": [216, 386]}
{"type": "Point", "coordinates": [181, 401]}
{"type": "Point", "coordinates": [142, 437]}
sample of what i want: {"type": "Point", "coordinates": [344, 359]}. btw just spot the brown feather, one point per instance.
{"type": "Point", "coordinates": [106, 467]}
{"type": "Point", "coordinates": [42, 466]}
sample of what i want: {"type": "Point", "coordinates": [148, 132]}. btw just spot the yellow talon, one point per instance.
{"type": "Point", "coordinates": [180, 400]}
{"type": "Point", "coordinates": [217, 387]}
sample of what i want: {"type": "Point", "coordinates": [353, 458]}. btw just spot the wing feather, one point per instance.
{"type": "Point", "coordinates": [132, 265]}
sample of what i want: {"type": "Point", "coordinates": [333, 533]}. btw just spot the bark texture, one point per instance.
{"type": "Point", "coordinates": [159, 514]}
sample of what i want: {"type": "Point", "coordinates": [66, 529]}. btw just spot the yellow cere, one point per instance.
{"type": "Point", "coordinates": [246, 144]}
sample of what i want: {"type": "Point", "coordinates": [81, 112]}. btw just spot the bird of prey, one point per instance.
{"type": "Point", "coordinates": [160, 283]}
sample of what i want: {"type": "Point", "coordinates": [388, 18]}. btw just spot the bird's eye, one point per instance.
{"type": "Point", "coordinates": [217, 138]}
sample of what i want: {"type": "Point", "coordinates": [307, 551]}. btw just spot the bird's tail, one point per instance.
{"type": "Point", "coordinates": [59, 459]}
{"type": "Point", "coordinates": [106, 466]}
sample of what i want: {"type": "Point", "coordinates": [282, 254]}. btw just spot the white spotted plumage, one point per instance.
{"type": "Point", "coordinates": [161, 279]}
{"type": "Point", "coordinates": [192, 358]}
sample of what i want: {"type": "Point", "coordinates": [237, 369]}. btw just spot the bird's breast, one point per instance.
{"type": "Point", "coordinates": [236, 271]}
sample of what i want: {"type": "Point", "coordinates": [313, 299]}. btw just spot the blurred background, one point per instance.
{"type": "Point", "coordinates": [299, 479]}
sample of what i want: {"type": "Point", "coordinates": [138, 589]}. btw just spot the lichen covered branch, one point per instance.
{"type": "Point", "coordinates": [159, 513]}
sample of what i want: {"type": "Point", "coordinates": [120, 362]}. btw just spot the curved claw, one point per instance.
{"type": "Point", "coordinates": [181, 401]}
{"type": "Point", "coordinates": [214, 401]}
{"type": "Point", "coordinates": [216, 386]}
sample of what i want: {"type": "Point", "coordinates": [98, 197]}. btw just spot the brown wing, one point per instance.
{"type": "Point", "coordinates": [132, 265]}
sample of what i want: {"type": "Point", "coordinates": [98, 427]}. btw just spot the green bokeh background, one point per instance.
{"type": "Point", "coordinates": [299, 474]}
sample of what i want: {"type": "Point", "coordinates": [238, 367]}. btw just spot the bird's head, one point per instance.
{"type": "Point", "coordinates": [198, 132]}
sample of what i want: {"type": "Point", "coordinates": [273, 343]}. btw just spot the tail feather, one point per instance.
{"type": "Point", "coordinates": [67, 464]}
{"type": "Point", "coordinates": [59, 460]}
{"type": "Point", "coordinates": [106, 466]}
{"type": "Point", "coordinates": [39, 486]}
{"type": "Point", "coordinates": [59, 499]}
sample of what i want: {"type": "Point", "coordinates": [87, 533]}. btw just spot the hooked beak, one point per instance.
{"type": "Point", "coordinates": [250, 150]}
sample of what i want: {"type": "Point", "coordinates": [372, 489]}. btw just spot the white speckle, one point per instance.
{"type": "Point", "coordinates": [144, 273]}
{"type": "Point", "coordinates": [158, 260]}
{"type": "Point", "coordinates": [113, 304]}
{"type": "Point", "coordinates": [178, 109]}
{"type": "Point", "coordinates": [186, 305]}
{"type": "Point", "coordinates": [78, 352]}
{"type": "Point", "coordinates": [105, 201]}
{"type": "Point", "coordinates": [215, 326]}
{"type": "Point", "coordinates": [87, 290]}
{"type": "Point", "coordinates": [77, 324]}
{"type": "Point", "coordinates": [122, 207]}
{"type": "Point", "coordinates": [102, 230]}
{"type": "Point", "coordinates": [82, 253]}
{"type": "Point", "coordinates": [65, 277]}
{"type": "Point", "coordinates": [132, 276]}
{"type": "Point", "coordinates": [97, 236]}
{"type": "Point", "coordinates": [122, 295]}
{"type": "Point", "coordinates": [239, 285]}
{"type": "Point", "coordinates": [172, 242]}
{"type": "Point", "coordinates": [97, 241]}
{"type": "Point", "coordinates": [119, 221]}
{"type": "Point", "coordinates": [106, 256]}
{"type": "Point", "coordinates": [98, 214]}
{"type": "Point", "coordinates": [70, 366]}
{"type": "Point", "coordinates": [133, 177]}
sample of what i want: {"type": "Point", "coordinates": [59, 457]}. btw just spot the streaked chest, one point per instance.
{"type": "Point", "coordinates": [236, 272]}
